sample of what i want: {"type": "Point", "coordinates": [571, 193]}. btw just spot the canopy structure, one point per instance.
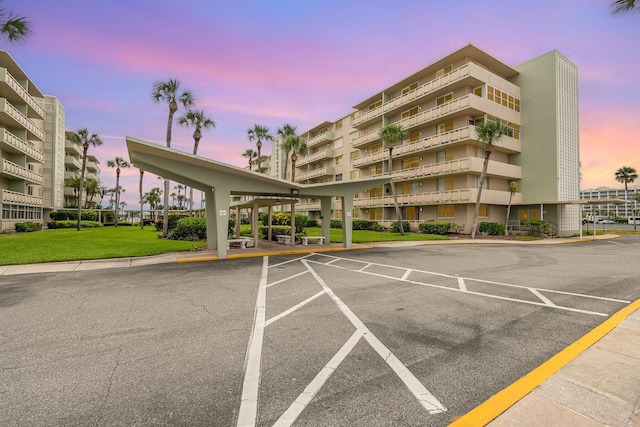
{"type": "Point", "coordinates": [219, 181]}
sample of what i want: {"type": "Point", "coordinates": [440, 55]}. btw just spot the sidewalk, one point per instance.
{"type": "Point", "coordinates": [593, 382]}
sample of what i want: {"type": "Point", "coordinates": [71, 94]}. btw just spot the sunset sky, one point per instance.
{"type": "Point", "coordinates": [306, 61]}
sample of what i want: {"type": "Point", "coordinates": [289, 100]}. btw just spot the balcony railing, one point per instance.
{"type": "Point", "coordinates": [467, 164]}
{"type": "Point", "coordinates": [310, 206]}
{"type": "Point", "coordinates": [27, 148]}
{"type": "Point", "coordinates": [327, 170]}
{"type": "Point", "coordinates": [20, 198]}
{"type": "Point", "coordinates": [323, 137]}
{"type": "Point", "coordinates": [21, 119]}
{"type": "Point", "coordinates": [22, 92]}
{"type": "Point", "coordinates": [18, 171]}
{"type": "Point", "coordinates": [70, 160]}
{"type": "Point", "coordinates": [467, 195]}
{"type": "Point", "coordinates": [320, 155]}
{"type": "Point", "coordinates": [417, 93]}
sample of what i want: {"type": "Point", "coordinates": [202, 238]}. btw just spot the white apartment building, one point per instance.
{"type": "Point", "coordinates": [73, 167]}
{"type": "Point", "coordinates": [436, 171]}
{"type": "Point", "coordinates": [54, 156]}
{"type": "Point", "coordinates": [625, 210]}
{"type": "Point", "coordinates": [22, 136]}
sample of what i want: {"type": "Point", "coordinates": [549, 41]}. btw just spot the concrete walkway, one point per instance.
{"type": "Point", "coordinates": [593, 382]}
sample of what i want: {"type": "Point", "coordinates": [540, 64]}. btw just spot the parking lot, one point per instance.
{"type": "Point", "coordinates": [414, 336]}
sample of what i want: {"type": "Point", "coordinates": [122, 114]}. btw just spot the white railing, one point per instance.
{"type": "Point", "coordinates": [420, 118]}
{"type": "Point", "coordinates": [323, 154]}
{"type": "Point", "coordinates": [324, 136]}
{"type": "Point", "coordinates": [327, 170]}
{"type": "Point", "coordinates": [26, 147]}
{"type": "Point", "coordinates": [21, 172]}
{"type": "Point", "coordinates": [21, 118]}
{"type": "Point", "coordinates": [20, 198]}
{"type": "Point", "coordinates": [311, 206]}
{"type": "Point", "coordinates": [17, 88]}
{"type": "Point", "coordinates": [466, 195]}
{"type": "Point", "coordinates": [419, 92]}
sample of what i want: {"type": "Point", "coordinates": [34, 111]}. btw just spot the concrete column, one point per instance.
{"type": "Point", "coordinates": [254, 225]}
{"type": "Point", "coordinates": [325, 212]}
{"type": "Point", "coordinates": [237, 222]}
{"type": "Point", "coordinates": [269, 230]}
{"type": "Point", "coordinates": [293, 223]}
{"type": "Point", "coordinates": [347, 217]}
{"type": "Point", "coordinates": [211, 220]}
{"type": "Point", "coordinates": [221, 197]}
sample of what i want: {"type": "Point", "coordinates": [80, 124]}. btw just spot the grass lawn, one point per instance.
{"type": "Point", "coordinates": [91, 243]}
{"type": "Point", "coordinates": [365, 236]}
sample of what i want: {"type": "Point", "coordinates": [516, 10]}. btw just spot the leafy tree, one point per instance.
{"type": "Point", "coordinates": [81, 137]}
{"type": "Point", "coordinates": [489, 133]}
{"type": "Point", "coordinates": [626, 175]}
{"type": "Point", "coordinates": [259, 133]}
{"type": "Point", "coordinates": [394, 133]}
{"type": "Point", "coordinates": [296, 146]}
{"type": "Point", "coordinates": [285, 132]}
{"type": "Point", "coordinates": [513, 188]}
{"type": "Point", "coordinates": [250, 154]}
{"type": "Point", "coordinates": [200, 122]}
{"type": "Point", "coordinates": [118, 163]}
{"type": "Point", "coordinates": [14, 28]}
{"type": "Point", "coordinates": [624, 6]}
{"type": "Point", "coordinates": [169, 92]}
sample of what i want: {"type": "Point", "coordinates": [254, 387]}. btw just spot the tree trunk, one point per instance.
{"type": "Point", "coordinates": [483, 177]}
{"type": "Point", "coordinates": [395, 198]}
{"type": "Point", "coordinates": [115, 225]}
{"type": "Point", "coordinates": [506, 222]}
{"type": "Point", "coordinates": [81, 189]}
{"type": "Point", "coordinates": [141, 200]}
{"type": "Point", "coordinates": [286, 164]}
{"type": "Point", "coordinates": [294, 157]}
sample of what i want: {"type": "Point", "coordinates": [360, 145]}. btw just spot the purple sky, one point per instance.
{"type": "Point", "coordinates": [303, 62]}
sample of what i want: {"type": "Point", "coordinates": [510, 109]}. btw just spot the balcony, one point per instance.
{"type": "Point", "coordinates": [10, 114]}
{"type": "Point", "coordinates": [11, 143]}
{"type": "Point", "coordinates": [20, 198]}
{"type": "Point", "coordinates": [13, 91]}
{"type": "Point", "coordinates": [13, 171]}
{"type": "Point", "coordinates": [316, 173]}
{"type": "Point", "coordinates": [307, 207]}
{"type": "Point", "coordinates": [320, 155]}
{"type": "Point", "coordinates": [318, 139]}
{"type": "Point", "coordinates": [467, 195]}
{"type": "Point", "coordinates": [467, 165]}
{"type": "Point", "coordinates": [73, 161]}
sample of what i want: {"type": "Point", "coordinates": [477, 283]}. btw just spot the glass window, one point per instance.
{"type": "Point", "coordinates": [411, 163]}
{"type": "Point", "coordinates": [410, 213]}
{"type": "Point", "coordinates": [410, 88]}
{"type": "Point", "coordinates": [354, 155]}
{"type": "Point", "coordinates": [444, 71]}
{"type": "Point", "coordinates": [446, 211]}
{"type": "Point", "coordinates": [410, 113]}
{"type": "Point", "coordinates": [484, 211]}
{"type": "Point", "coordinates": [339, 124]}
{"type": "Point", "coordinates": [355, 174]}
{"type": "Point", "coordinates": [414, 136]}
{"type": "Point", "coordinates": [478, 91]}
{"type": "Point", "coordinates": [445, 127]}
{"type": "Point", "coordinates": [444, 98]}
{"type": "Point", "coordinates": [338, 160]}
{"type": "Point", "coordinates": [337, 143]}
{"type": "Point", "coordinates": [375, 105]}
{"type": "Point", "coordinates": [405, 188]}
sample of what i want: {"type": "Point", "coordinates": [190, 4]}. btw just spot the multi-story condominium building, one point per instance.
{"type": "Point", "coordinates": [608, 209]}
{"type": "Point", "coordinates": [436, 171]}
{"type": "Point", "coordinates": [72, 168]}
{"type": "Point", "coordinates": [54, 155]}
{"type": "Point", "coordinates": [22, 136]}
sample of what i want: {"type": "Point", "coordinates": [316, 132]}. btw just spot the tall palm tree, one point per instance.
{"type": "Point", "coordinates": [250, 154]}
{"type": "Point", "coordinates": [91, 188]}
{"type": "Point", "coordinates": [513, 188]}
{"type": "Point", "coordinates": [623, 6]}
{"type": "Point", "coordinates": [394, 133]}
{"type": "Point", "coordinates": [118, 163]}
{"type": "Point", "coordinates": [285, 132]}
{"type": "Point", "coordinates": [626, 175]}
{"type": "Point", "coordinates": [489, 133]}
{"type": "Point", "coordinates": [298, 146]}
{"type": "Point", "coordinates": [259, 133]}
{"type": "Point", "coordinates": [153, 198]}
{"type": "Point", "coordinates": [141, 199]}
{"type": "Point", "coordinates": [81, 137]}
{"type": "Point", "coordinates": [14, 28]}
{"type": "Point", "coordinates": [197, 120]}
{"type": "Point", "coordinates": [169, 92]}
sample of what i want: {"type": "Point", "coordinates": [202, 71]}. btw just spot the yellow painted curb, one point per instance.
{"type": "Point", "coordinates": [211, 258]}
{"type": "Point", "coordinates": [504, 399]}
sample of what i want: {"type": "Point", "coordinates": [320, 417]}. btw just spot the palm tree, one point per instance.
{"type": "Point", "coordinates": [513, 187]}
{"type": "Point", "coordinates": [285, 132]}
{"type": "Point", "coordinates": [394, 133]}
{"type": "Point", "coordinates": [626, 175]}
{"type": "Point", "coordinates": [91, 188]}
{"type": "Point", "coordinates": [141, 199]}
{"type": "Point", "coordinates": [623, 6]}
{"type": "Point", "coordinates": [250, 154]}
{"type": "Point", "coordinates": [14, 28]}
{"type": "Point", "coordinates": [81, 137]}
{"type": "Point", "coordinates": [259, 132]}
{"type": "Point", "coordinates": [117, 163]}
{"type": "Point", "coordinates": [489, 133]}
{"type": "Point", "coordinates": [168, 92]}
{"type": "Point", "coordinates": [102, 191]}
{"type": "Point", "coordinates": [197, 120]}
{"type": "Point", "coordinates": [298, 146]}
{"type": "Point", "coordinates": [74, 182]}
{"type": "Point", "coordinates": [153, 198]}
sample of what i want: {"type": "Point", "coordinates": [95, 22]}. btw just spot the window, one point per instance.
{"type": "Point", "coordinates": [414, 136]}
{"type": "Point", "coordinates": [444, 156]}
{"type": "Point", "coordinates": [445, 70]}
{"type": "Point", "coordinates": [405, 188]}
{"type": "Point", "coordinates": [410, 163]}
{"type": "Point", "coordinates": [445, 184]}
{"type": "Point", "coordinates": [445, 127]}
{"type": "Point", "coordinates": [446, 211]}
{"type": "Point", "coordinates": [484, 211]}
{"type": "Point", "coordinates": [502, 98]}
{"type": "Point", "coordinates": [410, 88]}
{"type": "Point", "coordinates": [339, 177]}
{"type": "Point", "coordinates": [486, 183]}
{"type": "Point", "coordinates": [355, 174]}
{"type": "Point", "coordinates": [375, 170]}
{"type": "Point", "coordinates": [339, 124]}
{"type": "Point", "coordinates": [354, 155]}
{"type": "Point", "coordinates": [338, 160]}
{"type": "Point", "coordinates": [375, 214]}
{"type": "Point", "coordinates": [375, 105]}
{"type": "Point", "coordinates": [410, 113]}
{"type": "Point", "coordinates": [356, 213]}
{"type": "Point", "coordinates": [337, 214]}
{"type": "Point", "coordinates": [410, 213]}
{"type": "Point", "coordinates": [444, 98]}
{"type": "Point", "coordinates": [478, 91]}
{"type": "Point", "coordinates": [337, 143]}
{"type": "Point", "coordinates": [375, 148]}
{"type": "Point", "coordinates": [375, 192]}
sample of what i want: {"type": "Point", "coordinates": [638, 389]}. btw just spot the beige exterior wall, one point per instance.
{"type": "Point", "coordinates": [22, 136]}
{"type": "Point", "coordinates": [54, 127]}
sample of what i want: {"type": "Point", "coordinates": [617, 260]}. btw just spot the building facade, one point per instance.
{"type": "Point", "coordinates": [436, 171]}
{"type": "Point", "coordinates": [54, 156]}
{"type": "Point", "coordinates": [610, 210]}
{"type": "Point", "coordinates": [22, 136]}
{"type": "Point", "coordinates": [72, 168]}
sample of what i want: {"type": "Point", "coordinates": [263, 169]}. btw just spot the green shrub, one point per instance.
{"type": "Point", "coordinates": [491, 228]}
{"type": "Point", "coordinates": [89, 215]}
{"type": "Point", "coordinates": [28, 227]}
{"type": "Point", "coordinates": [440, 228]}
{"type": "Point", "coordinates": [74, 224]}
{"type": "Point", "coordinates": [276, 230]}
{"type": "Point", "coordinates": [173, 221]}
{"type": "Point", "coordinates": [455, 228]}
{"type": "Point", "coordinates": [377, 227]}
{"type": "Point", "coordinates": [312, 223]}
{"type": "Point", "coordinates": [335, 223]}
{"type": "Point", "coordinates": [59, 215]}
{"type": "Point", "coordinates": [395, 227]}
{"type": "Point", "coordinates": [284, 218]}
{"type": "Point", "coordinates": [537, 227]}
{"type": "Point", "coordinates": [231, 227]}
{"type": "Point", "coordinates": [191, 229]}
{"type": "Point", "coordinates": [361, 224]}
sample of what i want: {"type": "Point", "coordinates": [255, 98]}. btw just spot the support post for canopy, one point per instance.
{"type": "Point", "coordinates": [254, 224]}
{"type": "Point", "coordinates": [325, 213]}
{"type": "Point", "coordinates": [238, 222]}
{"type": "Point", "coordinates": [347, 208]}
{"type": "Point", "coordinates": [293, 222]}
{"type": "Point", "coordinates": [269, 230]}
{"type": "Point", "coordinates": [211, 220]}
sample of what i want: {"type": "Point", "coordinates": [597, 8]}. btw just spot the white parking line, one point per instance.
{"type": "Point", "coordinates": [292, 309]}
{"type": "Point", "coordinates": [462, 285]}
{"type": "Point", "coordinates": [286, 278]}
